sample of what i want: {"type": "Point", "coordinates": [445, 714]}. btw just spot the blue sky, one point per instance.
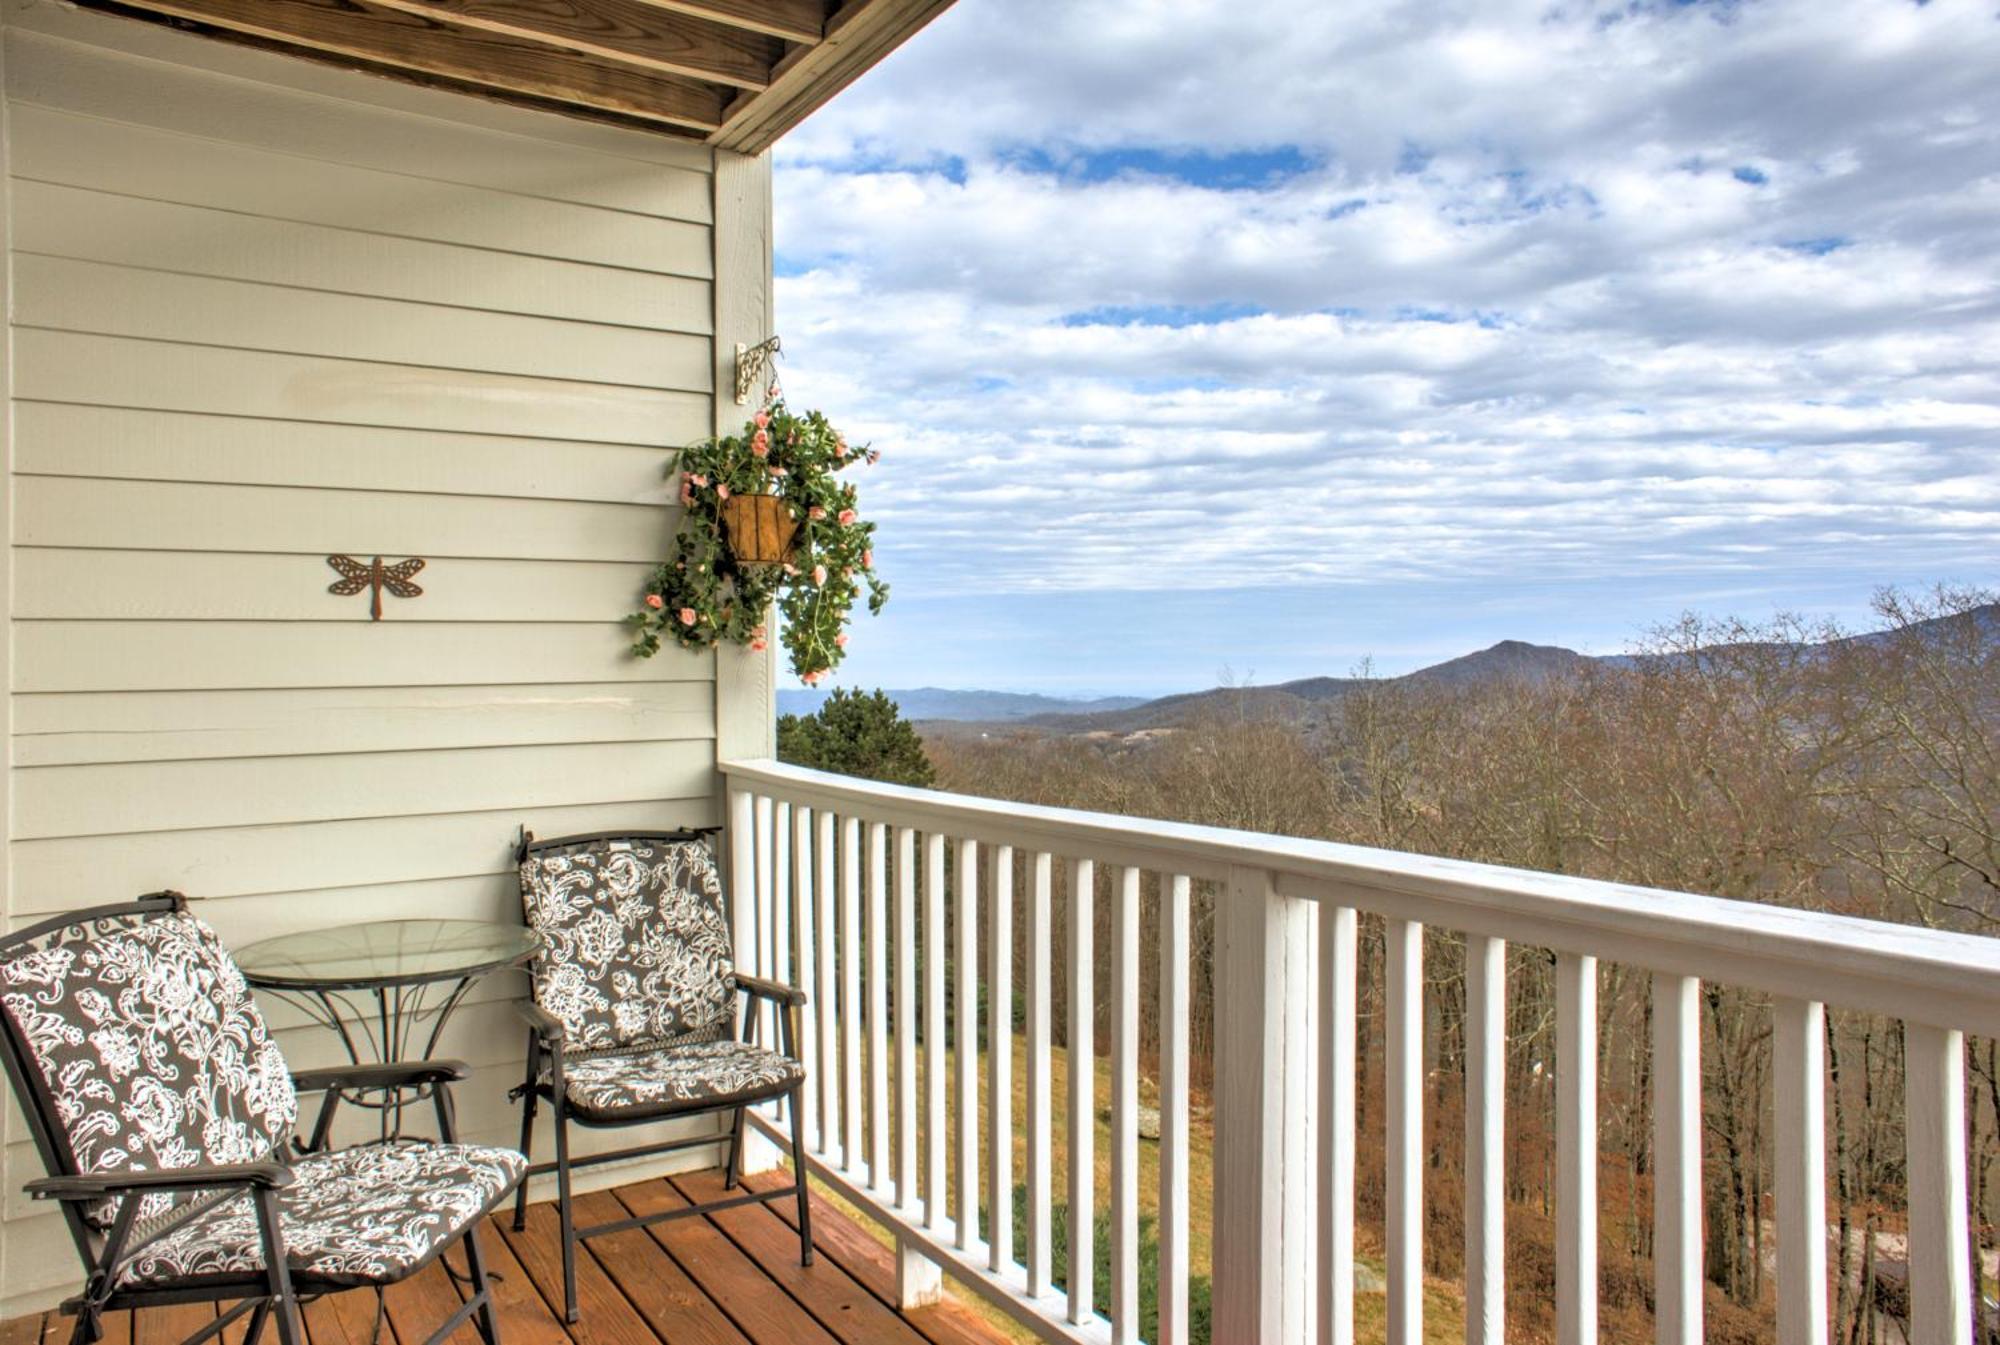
{"type": "Point", "coordinates": [1202, 342]}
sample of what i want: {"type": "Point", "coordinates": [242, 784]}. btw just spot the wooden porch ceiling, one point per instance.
{"type": "Point", "coordinates": [736, 74]}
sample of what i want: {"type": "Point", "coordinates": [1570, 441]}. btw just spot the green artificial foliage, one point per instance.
{"type": "Point", "coordinates": [701, 596]}
{"type": "Point", "coordinates": [857, 733]}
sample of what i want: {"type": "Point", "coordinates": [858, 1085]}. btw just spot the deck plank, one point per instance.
{"type": "Point", "coordinates": [731, 1278]}
{"type": "Point", "coordinates": [739, 1284]}
{"type": "Point", "coordinates": [607, 1316]}
{"type": "Point", "coordinates": [873, 1266]}
{"type": "Point", "coordinates": [681, 1308]}
{"type": "Point", "coordinates": [825, 1289]}
{"type": "Point", "coordinates": [525, 1317]}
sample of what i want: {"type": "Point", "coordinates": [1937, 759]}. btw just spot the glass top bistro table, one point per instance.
{"type": "Point", "coordinates": [379, 984]}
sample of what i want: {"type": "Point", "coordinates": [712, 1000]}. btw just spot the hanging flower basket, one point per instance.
{"type": "Point", "coordinates": [766, 520]}
{"type": "Point", "coordinates": [760, 528]}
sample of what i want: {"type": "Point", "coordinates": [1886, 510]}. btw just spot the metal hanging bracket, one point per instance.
{"type": "Point", "coordinates": [753, 364]}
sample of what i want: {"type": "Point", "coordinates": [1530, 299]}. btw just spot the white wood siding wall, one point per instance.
{"type": "Point", "coordinates": [263, 311]}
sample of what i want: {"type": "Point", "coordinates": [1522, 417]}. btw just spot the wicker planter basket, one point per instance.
{"type": "Point", "coordinates": [760, 528]}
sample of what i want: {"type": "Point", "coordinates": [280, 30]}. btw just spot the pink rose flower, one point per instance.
{"type": "Point", "coordinates": [791, 570]}
{"type": "Point", "coordinates": [760, 450]}
{"type": "Point", "coordinates": [687, 616]}
{"type": "Point", "coordinates": [816, 513]}
{"type": "Point", "coordinates": [698, 479]}
{"type": "Point", "coordinates": [722, 492]}
{"type": "Point", "coordinates": [655, 601]}
{"type": "Point", "coordinates": [812, 679]}
{"type": "Point", "coordinates": [819, 574]}
{"type": "Point", "coordinates": [841, 639]}
{"type": "Point", "coordinates": [763, 420]}
{"type": "Point", "coordinates": [757, 646]}
{"type": "Point", "coordinates": [874, 456]}
{"type": "Point", "coordinates": [846, 517]}
{"type": "Point", "coordinates": [757, 633]}
{"type": "Point", "coordinates": [776, 392]}
{"type": "Point", "coordinates": [868, 560]}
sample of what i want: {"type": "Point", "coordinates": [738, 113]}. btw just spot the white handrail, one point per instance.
{"type": "Point", "coordinates": [1932, 976]}
{"type": "Point", "coordinates": [1285, 1056]}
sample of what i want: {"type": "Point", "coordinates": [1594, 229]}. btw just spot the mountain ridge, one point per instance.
{"type": "Point", "coordinates": [1507, 660]}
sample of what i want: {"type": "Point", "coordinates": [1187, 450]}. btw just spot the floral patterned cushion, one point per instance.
{"type": "Point", "coordinates": [676, 1078]}
{"type": "Point", "coordinates": [366, 1215]}
{"type": "Point", "coordinates": [152, 1047]}
{"type": "Point", "coordinates": [635, 946]}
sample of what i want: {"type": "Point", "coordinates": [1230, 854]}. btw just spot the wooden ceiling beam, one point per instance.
{"type": "Point", "coordinates": [792, 20]}
{"type": "Point", "coordinates": [625, 32]}
{"type": "Point", "coordinates": [861, 33]}
{"type": "Point", "coordinates": [379, 36]}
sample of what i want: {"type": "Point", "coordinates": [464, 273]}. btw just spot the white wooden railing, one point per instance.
{"type": "Point", "coordinates": [816, 855]}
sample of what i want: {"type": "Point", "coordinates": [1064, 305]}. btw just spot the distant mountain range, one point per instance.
{"type": "Point", "coordinates": [986, 707]}
{"type": "Point", "coordinates": [1508, 661]}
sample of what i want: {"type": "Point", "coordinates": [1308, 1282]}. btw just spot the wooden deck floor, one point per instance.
{"type": "Point", "coordinates": [726, 1279]}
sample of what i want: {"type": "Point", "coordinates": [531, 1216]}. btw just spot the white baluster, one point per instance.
{"type": "Point", "coordinates": [767, 947]}
{"type": "Point", "coordinates": [1485, 1154]}
{"type": "Point", "coordinates": [829, 991]}
{"type": "Point", "coordinates": [919, 1280]}
{"type": "Point", "coordinates": [1082, 1091]}
{"type": "Point", "coordinates": [1041, 1089]}
{"type": "Point", "coordinates": [878, 1007]}
{"type": "Point", "coordinates": [852, 1149]}
{"type": "Point", "coordinates": [1677, 1268]}
{"type": "Point", "coordinates": [1404, 1221]}
{"type": "Point", "coordinates": [1339, 1024]}
{"type": "Point", "coordinates": [803, 920]}
{"type": "Point", "coordinates": [1798, 1168]}
{"type": "Point", "coordinates": [1000, 1062]}
{"type": "Point", "coordinates": [936, 1138]}
{"type": "Point", "coordinates": [1940, 1279]}
{"type": "Point", "coordinates": [1576, 1149]}
{"type": "Point", "coordinates": [1174, 1001]}
{"type": "Point", "coordinates": [1125, 1109]}
{"type": "Point", "coordinates": [781, 908]}
{"type": "Point", "coordinates": [906, 1020]}
{"type": "Point", "coordinates": [965, 1029]}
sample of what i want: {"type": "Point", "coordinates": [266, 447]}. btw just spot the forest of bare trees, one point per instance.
{"type": "Point", "coordinates": [1787, 762]}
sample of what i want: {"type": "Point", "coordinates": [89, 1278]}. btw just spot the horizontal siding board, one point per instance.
{"type": "Point", "coordinates": [78, 78]}
{"type": "Point", "coordinates": [68, 511]}
{"type": "Point", "coordinates": [183, 656]}
{"type": "Point", "coordinates": [60, 147]}
{"type": "Point", "coordinates": [98, 728]}
{"type": "Point", "coordinates": [128, 231]}
{"type": "Point", "coordinates": [62, 439]}
{"type": "Point", "coordinates": [120, 371]}
{"type": "Point", "coordinates": [99, 585]}
{"type": "Point", "coordinates": [321, 860]}
{"type": "Point", "coordinates": [55, 801]}
{"type": "Point", "coordinates": [77, 296]}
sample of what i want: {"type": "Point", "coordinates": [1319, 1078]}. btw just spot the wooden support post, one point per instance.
{"type": "Point", "coordinates": [1265, 1108]}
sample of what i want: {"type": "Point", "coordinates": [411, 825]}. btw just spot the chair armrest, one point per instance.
{"type": "Point", "coordinates": [269, 1176]}
{"type": "Point", "coordinates": [546, 1025]}
{"type": "Point", "coordinates": [759, 988]}
{"type": "Point", "coordinates": [394, 1074]}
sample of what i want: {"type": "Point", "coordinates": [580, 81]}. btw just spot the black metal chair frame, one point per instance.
{"type": "Point", "coordinates": [272, 1294]}
{"type": "Point", "coordinates": [545, 1048]}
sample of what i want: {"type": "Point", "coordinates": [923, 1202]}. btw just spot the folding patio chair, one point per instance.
{"type": "Point", "coordinates": [164, 1114]}
{"type": "Point", "coordinates": [633, 1015]}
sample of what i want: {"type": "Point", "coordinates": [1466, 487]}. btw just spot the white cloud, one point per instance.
{"type": "Point", "coordinates": [1488, 291]}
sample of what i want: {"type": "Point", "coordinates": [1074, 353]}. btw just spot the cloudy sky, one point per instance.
{"type": "Point", "coordinates": [1209, 339]}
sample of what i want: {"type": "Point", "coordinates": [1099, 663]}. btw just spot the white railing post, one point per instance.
{"type": "Point", "coordinates": [1576, 1149]}
{"type": "Point", "coordinates": [1677, 1269]}
{"type": "Point", "coordinates": [1485, 1140]}
{"type": "Point", "coordinates": [1940, 1265]}
{"type": "Point", "coordinates": [1264, 1111]}
{"type": "Point", "coordinates": [1798, 1171]}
